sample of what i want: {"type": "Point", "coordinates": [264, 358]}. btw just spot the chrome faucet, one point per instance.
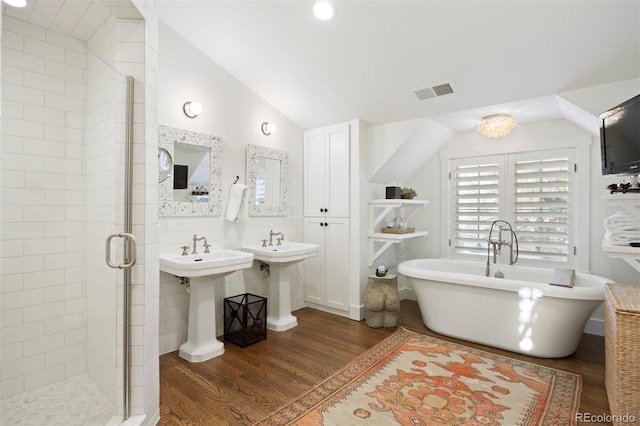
{"type": "Point", "coordinates": [204, 244]}
{"type": "Point", "coordinates": [497, 244]}
{"type": "Point", "coordinates": [272, 234]}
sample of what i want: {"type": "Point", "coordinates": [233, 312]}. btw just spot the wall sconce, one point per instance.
{"type": "Point", "coordinates": [268, 128]}
{"type": "Point", "coordinates": [192, 109]}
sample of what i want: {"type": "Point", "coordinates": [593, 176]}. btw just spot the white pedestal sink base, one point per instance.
{"type": "Point", "coordinates": [279, 316]}
{"type": "Point", "coordinates": [201, 343]}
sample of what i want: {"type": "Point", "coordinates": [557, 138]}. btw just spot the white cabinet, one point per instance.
{"type": "Point", "coordinates": [326, 171]}
{"type": "Point", "coordinates": [326, 211]}
{"type": "Point", "coordinates": [327, 275]}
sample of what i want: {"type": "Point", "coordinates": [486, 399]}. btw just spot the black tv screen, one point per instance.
{"type": "Point", "coordinates": [180, 174]}
{"type": "Point", "coordinates": [620, 138]}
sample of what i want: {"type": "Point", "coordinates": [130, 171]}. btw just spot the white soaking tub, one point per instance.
{"type": "Point", "coordinates": [520, 312]}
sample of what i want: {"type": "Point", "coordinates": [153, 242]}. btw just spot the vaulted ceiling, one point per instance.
{"type": "Point", "coordinates": [370, 58]}
{"type": "Point", "coordinates": [497, 56]}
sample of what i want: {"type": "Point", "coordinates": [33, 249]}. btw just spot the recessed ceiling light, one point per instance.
{"type": "Point", "coordinates": [323, 10]}
{"type": "Point", "coordinates": [16, 3]}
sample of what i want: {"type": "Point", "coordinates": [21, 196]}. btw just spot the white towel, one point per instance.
{"type": "Point", "coordinates": [622, 237]}
{"type": "Point", "coordinates": [236, 201]}
{"type": "Point", "coordinates": [621, 220]}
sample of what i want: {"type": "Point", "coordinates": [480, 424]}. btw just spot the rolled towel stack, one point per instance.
{"type": "Point", "coordinates": [622, 228]}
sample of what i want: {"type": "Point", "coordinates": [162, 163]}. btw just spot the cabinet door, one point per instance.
{"type": "Point", "coordinates": [314, 267]}
{"type": "Point", "coordinates": [314, 173]}
{"type": "Point", "coordinates": [337, 170]}
{"type": "Point", "coordinates": [337, 263]}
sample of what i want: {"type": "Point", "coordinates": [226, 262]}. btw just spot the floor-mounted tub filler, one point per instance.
{"type": "Point", "coordinates": [521, 312]}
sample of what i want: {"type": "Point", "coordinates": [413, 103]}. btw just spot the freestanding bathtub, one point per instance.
{"type": "Point", "coordinates": [520, 312]}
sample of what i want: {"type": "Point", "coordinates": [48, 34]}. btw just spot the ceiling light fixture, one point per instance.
{"type": "Point", "coordinates": [323, 10]}
{"type": "Point", "coordinates": [496, 126]}
{"type": "Point", "coordinates": [192, 109]}
{"type": "Point", "coordinates": [269, 128]}
{"type": "Point", "coordinates": [16, 3]}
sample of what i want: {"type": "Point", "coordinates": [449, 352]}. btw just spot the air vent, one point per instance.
{"type": "Point", "coordinates": [433, 91]}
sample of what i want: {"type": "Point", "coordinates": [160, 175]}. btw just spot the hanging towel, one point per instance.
{"type": "Point", "coordinates": [236, 201]}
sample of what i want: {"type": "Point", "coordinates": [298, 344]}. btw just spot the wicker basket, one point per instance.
{"type": "Point", "coordinates": [622, 349]}
{"type": "Point", "coordinates": [397, 230]}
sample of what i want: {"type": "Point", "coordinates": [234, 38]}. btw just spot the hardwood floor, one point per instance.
{"type": "Point", "coordinates": [243, 385]}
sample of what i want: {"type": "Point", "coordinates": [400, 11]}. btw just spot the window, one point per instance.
{"type": "Point", "coordinates": [477, 204]}
{"type": "Point", "coordinates": [532, 191]}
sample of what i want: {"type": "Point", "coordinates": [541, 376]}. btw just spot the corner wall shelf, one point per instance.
{"type": "Point", "coordinates": [378, 210]}
{"type": "Point", "coordinates": [631, 203]}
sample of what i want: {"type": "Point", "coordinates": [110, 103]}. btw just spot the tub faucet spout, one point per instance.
{"type": "Point", "coordinates": [497, 244]}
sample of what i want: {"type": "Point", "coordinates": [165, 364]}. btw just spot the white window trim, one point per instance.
{"type": "Point", "coordinates": [581, 210]}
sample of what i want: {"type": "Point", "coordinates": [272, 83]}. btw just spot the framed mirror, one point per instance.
{"type": "Point", "coordinates": [268, 180]}
{"type": "Point", "coordinates": [193, 184]}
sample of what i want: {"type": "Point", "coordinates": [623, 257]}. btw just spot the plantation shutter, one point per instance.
{"type": "Point", "coordinates": [541, 207]}
{"type": "Point", "coordinates": [476, 204]}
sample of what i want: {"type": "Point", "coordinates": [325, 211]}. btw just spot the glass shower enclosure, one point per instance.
{"type": "Point", "coordinates": [65, 226]}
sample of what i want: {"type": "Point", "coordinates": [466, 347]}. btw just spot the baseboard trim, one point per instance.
{"type": "Point", "coordinates": [327, 309]}
{"type": "Point", "coordinates": [407, 294]}
{"type": "Point", "coordinates": [356, 313]}
{"type": "Point", "coordinates": [595, 326]}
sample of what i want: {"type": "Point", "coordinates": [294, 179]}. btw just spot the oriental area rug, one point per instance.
{"type": "Point", "coordinates": [414, 379]}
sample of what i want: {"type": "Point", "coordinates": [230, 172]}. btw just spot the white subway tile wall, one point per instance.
{"type": "Point", "coordinates": [43, 262]}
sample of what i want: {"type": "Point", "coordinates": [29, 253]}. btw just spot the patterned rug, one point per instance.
{"type": "Point", "coordinates": [414, 379]}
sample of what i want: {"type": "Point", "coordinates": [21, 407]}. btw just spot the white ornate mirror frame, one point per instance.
{"type": "Point", "coordinates": [167, 138]}
{"type": "Point", "coordinates": [254, 153]}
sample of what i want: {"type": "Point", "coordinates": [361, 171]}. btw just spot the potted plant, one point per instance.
{"type": "Point", "coordinates": [408, 193]}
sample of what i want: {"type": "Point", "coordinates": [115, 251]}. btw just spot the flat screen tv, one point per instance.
{"type": "Point", "coordinates": [620, 138]}
{"type": "Point", "coordinates": [180, 174]}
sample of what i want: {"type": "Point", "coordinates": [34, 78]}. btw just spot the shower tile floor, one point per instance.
{"type": "Point", "coordinates": [76, 401]}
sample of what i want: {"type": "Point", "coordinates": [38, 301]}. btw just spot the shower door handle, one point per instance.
{"type": "Point", "coordinates": [132, 250]}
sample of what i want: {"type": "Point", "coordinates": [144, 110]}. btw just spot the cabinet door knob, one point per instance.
{"type": "Point", "coordinates": [321, 224]}
{"type": "Point", "coordinates": [326, 224]}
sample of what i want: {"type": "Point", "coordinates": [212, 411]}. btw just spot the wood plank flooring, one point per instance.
{"type": "Point", "coordinates": [243, 385]}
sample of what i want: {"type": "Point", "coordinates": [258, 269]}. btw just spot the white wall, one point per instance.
{"type": "Point", "coordinates": [233, 112]}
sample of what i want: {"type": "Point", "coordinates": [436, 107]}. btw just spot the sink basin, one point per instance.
{"type": "Point", "coordinates": [285, 253]}
{"type": "Point", "coordinates": [218, 263]}
{"type": "Point", "coordinates": [280, 259]}
{"type": "Point", "coordinates": [204, 271]}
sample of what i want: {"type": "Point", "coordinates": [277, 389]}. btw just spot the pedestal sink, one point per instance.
{"type": "Point", "coordinates": [203, 271]}
{"type": "Point", "coordinates": [280, 258]}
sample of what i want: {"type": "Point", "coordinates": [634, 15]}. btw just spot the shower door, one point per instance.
{"type": "Point", "coordinates": [110, 247]}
